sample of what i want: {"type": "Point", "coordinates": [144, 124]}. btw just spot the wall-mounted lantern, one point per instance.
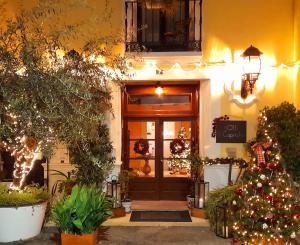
{"type": "Point", "coordinates": [251, 67]}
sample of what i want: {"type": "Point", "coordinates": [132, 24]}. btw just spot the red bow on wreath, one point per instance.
{"type": "Point", "coordinates": [258, 149]}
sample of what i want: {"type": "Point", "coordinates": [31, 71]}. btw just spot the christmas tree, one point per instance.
{"type": "Point", "coordinates": [266, 208]}
{"type": "Point", "coordinates": [180, 151]}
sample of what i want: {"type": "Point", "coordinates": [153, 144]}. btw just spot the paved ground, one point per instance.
{"type": "Point", "coordinates": [125, 235]}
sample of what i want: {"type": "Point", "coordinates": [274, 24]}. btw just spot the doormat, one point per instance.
{"type": "Point", "coordinates": [160, 216]}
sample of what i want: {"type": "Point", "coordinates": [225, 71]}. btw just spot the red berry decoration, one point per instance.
{"type": "Point", "coordinates": [296, 216]}
{"type": "Point", "coordinates": [239, 192]}
{"type": "Point", "coordinates": [269, 198]}
{"type": "Point", "coordinates": [256, 169]}
{"type": "Point", "coordinates": [273, 166]}
{"type": "Point", "coordinates": [262, 165]}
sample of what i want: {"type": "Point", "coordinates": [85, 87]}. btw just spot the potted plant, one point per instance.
{"type": "Point", "coordinates": [23, 212]}
{"type": "Point", "coordinates": [79, 215]}
{"type": "Point", "coordinates": [66, 184]}
{"type": "Point", "coordinates": [124, 178]}
{"type": "Point", "coordinates": [118, 210]}
{"type": "Point", "coordinates": [197, 171]}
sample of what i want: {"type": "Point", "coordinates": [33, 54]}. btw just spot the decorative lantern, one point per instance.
{"type": "Point", "coordinates": [113, 190]}
{"type": "Point", "coordinates": [251, 67]}
{"type": "Point", "coordinates": [201, 191]}
{"type": "Point", "coordinates": [222, 228]}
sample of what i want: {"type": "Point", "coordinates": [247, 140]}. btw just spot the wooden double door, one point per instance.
{"type": "Point", "coordinates": [163, 172]}
{"type": "Point", "coordinates": [159, 132]}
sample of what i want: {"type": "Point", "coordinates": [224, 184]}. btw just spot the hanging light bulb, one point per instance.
{"type": "Point", "coordinates": [159, 89]}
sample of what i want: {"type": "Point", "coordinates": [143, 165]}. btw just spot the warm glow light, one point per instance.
{"type": "Point", "coordinates": [159, 90]}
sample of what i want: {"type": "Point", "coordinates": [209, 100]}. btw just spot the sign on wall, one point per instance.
{"type": "Point", "coordinates": [231, 132]}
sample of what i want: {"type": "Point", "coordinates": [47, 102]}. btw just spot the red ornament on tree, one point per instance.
{"type": "Point", "coordinates": [273, 166]}
{"type": "Point", "coordinates": [269, 198]}
{"type": "Point", "coordinates": [262, 165]}
{"type": "Point", "coordinates": [296, 216]}
{"type": "Point", "coordinates": [239, 192]}
{"type": "Point", "coordinates": [256, 169]}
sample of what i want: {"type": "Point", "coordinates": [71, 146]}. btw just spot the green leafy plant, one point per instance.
{"type": "Point", "coordinates": [66, 184]}
{"type": "Point", "coordinates": [30, 195]}
{"type": "Point", "coordinates": [197, 165]}
{"type": "Point", "coordinates": [93, 157]}
{"type": "Point", "coordinates": [223, 196]}
{"type": "Point", "coordinates": [83, 211]}
{"type": "Point", "coordinates": [283, 126]}
{"type": "Point", "coordinates": [124, 178]}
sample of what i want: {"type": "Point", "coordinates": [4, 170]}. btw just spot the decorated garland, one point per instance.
{"type": "Point", "coordinates": [215, 122]}
{"type": "Point", "coordinates": [177, 146]}
{"type": "Point", "coordinates": [219, 161]}
{"type": "Point", "coordinates": [141, 146]}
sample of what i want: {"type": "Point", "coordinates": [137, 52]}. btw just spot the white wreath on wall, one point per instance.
{"type": "Point", "coordinates": [233, 90]}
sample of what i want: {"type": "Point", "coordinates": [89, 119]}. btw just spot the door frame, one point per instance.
{"type": "Point", "coordinates": [159, 183]}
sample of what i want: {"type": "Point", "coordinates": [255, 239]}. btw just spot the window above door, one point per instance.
{"type": "Point", "coordinates": [175, 101]}
{"type": "Point", "coordinates": [163, 25]}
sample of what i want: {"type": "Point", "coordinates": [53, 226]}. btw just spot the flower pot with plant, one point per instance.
{"type": "Point", "coordinates": [124, 178]}
{"type": "Point", "coordinates": [23, 212]}
{"type": "Point", "coordinates": [79, 215]}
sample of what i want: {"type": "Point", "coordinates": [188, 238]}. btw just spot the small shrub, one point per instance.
{"type": "Point", "coordinates": [83, 211]}
{"type": "Point", "coordinates": [221, 196]}
{"type": "Point", "coordinates": [30, 195]}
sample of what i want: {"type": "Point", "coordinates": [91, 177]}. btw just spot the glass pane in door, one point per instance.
{"type": "Point", "coordinates": [176, 148]}
{"type": "Point", "coordinates": [141, 150]}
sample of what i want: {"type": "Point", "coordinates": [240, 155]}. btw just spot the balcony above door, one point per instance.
{"type": "Point", "coordinates": [163, 25]}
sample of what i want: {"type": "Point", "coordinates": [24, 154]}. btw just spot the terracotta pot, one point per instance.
{"type": "Point", "coordinates": [72, 239]}
{"type": "Point", "coordinates": [197, 212]}
{"type": "Point", "coordinates": [118, 212]}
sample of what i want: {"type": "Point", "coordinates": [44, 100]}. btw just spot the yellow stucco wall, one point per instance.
{"type": "Point", "coordinates": [297, 29]}
{"type": "Point", "coordinates": [95, 18]}
{"type": "Point", "coordinates": [232, 25]}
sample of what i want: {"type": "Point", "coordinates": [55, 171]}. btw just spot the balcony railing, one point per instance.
{"type": "Point", "coordinates": [163, 25]}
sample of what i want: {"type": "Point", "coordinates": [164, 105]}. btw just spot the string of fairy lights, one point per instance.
{"type": "Point", "coordinates": [24, 159]}
{"type": "Point", "coordinates": [25, 150]}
